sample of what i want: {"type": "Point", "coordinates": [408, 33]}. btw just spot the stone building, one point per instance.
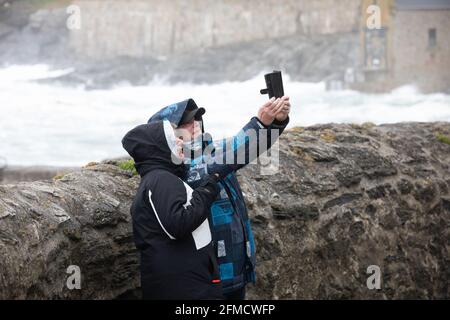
{"type": "Point", "coordinates": [411, 47]}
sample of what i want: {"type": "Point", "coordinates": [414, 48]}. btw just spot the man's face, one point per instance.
{"type": "Point", "coordinates": [190, 130]}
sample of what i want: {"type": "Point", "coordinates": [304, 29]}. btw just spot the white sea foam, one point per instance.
{"type": "Point", "coordinates": [59, 125]}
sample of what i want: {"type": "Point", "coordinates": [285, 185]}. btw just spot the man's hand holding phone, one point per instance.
{"type": "Point", "coordinates": [275, 108]}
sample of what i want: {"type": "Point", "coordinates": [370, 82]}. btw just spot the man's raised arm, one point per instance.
{"type": "Point", "coordinates": [255, 138]}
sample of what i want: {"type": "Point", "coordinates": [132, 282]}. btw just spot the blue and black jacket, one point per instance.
{"type": "Point", "coordinates": [230, 225]}
{"type": "Point", "coordinates": [170, 220]}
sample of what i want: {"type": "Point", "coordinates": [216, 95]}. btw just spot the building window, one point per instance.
{"type": "Point", "coordinates": [432, 38]}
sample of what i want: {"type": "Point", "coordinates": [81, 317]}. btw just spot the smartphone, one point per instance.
{"type": "Point", "coordinates": [274, 83]}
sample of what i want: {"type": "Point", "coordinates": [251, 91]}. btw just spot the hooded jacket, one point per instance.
{"type": "Point", "coordinates": [230, 225]}
{"type": "Point", "coordinates": [170, 220]}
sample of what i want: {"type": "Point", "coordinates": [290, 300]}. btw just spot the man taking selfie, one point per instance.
{"type": "Point", "coordinates": [230, 225]}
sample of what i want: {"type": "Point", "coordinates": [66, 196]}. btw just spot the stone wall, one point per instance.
{"type": "Point", "coordinates": [413, 60]}
{"type": "Point", "coordinates": [15, 174]}
{"type": "Point", "coordinates": [153, 28]}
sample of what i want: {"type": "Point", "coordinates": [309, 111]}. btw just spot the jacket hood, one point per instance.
{"type": "Point", "coordinates": [174, 112]}
{"type": "Point", "coordinates": [152, 146]}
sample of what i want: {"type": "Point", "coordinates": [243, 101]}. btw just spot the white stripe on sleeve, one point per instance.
{"type": "Point", "coordinates": [157, 217]}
